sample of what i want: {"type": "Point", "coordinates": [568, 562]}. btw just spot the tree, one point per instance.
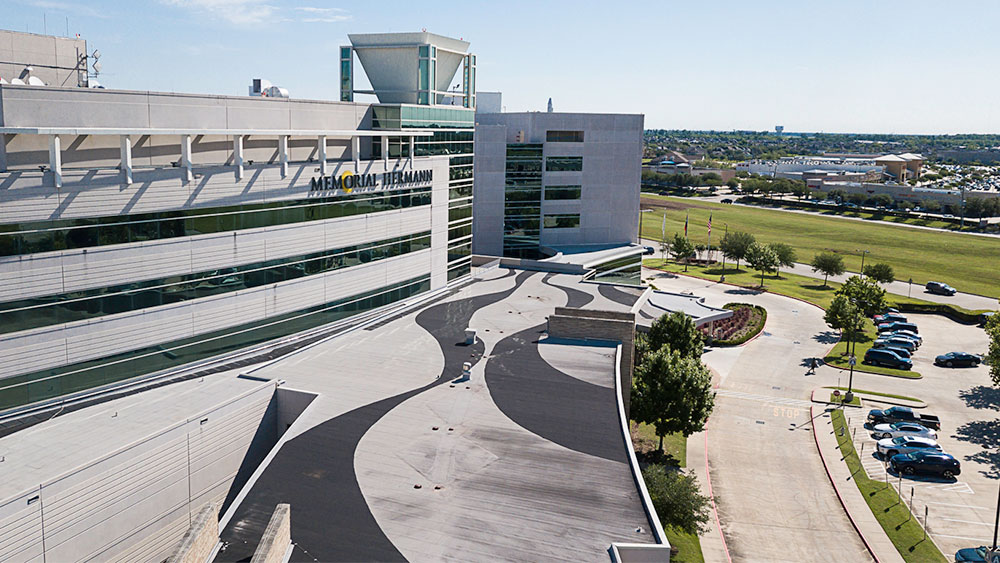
{"type": "Point", "coordinates": [856, 199]}
{"type": "Point", "coordinates": [993, 355]}
{"type": "Point", "coordinates": [699, 248]}
{"type": "Point", "coordinates": [735, 245]}
{"type": "Point", "coordinates": [865, 293]}
{"type": "Point", "coordinates": [829, 263]}
{"type": "Point", "coordinates": [682, 249]}
{"type": "Point", "coordinates": [678, 332]}
{"type": "Point", "coordinates": [762, 259]}
{"type": "Point", "coordinates": [677, 499]}
{"type": "Point", "coordinates": [837, 195]}
{"type": "Point", "coordinates": [885, 200]}
{"type": "Point", "coordinates": [785, 253]}
{"type": "Point", "coordinates": [673, 393]}
{"type": "Point", "coordinates": [844, 316]}
{"type": "Point", "coordinates": [880, 272]}
{"type": "Point", "coordinates": [931, 205]}
{"type": "Point", "coordinates": [974, 207]}
{"type": "Point", "coordinates": [664, 248]}
{"type": "Point", "coordinates": [733, 183]}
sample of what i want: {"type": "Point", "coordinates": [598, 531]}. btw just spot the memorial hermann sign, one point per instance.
{"type": "Point", "coordinates": [349, 181]}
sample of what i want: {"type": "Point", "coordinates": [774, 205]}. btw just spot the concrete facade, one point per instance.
{"type": "Point", "coordinates": [267, 216]}
{"type": "Point", "coordinates": [56, 61]}
{"type": "Point", "coordinates": [609, 201]}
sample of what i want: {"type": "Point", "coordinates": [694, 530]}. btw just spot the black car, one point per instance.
{"type": "Point", "coordinates": [958, 359]}
{"type": "Point", "coordinates": [727, 200]}
{"type": "Point", "coordinates": [883, 357]}
{"type": "Point", "coordinates": [934, 463]}
{"type": "Point", "coordinates": [940, 288]}
{"type": "Point", "coordinates": [647, 250]}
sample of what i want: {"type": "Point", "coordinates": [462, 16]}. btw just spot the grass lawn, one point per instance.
{"type": "Point", "coordinates": [801, 287]}
{"type": "Point", "coordinates": [889, 395]}
{"type": "Point", "coordinates": [900, 526]}
{"type": "Point", "coordinates": [855, 401]}
{"type": "Point", "coordinates": [967, 262]}
{"type": "Point", "coordinates": [644, 441]}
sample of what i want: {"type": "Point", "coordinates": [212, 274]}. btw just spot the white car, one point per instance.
{"type": "Point", "coordinates": [889, 447]}
{"type": "Point", "coordinates": [897, 429]}
{"type": "Point", "coordinates": [909, 334]}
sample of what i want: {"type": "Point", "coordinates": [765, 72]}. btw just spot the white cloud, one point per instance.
{"type": "Point", "coordinates": [323, 15]}
{"type": "Point", "coordinates": [236, 12]}
{"type": "Point", "coordinates": [257, 12]}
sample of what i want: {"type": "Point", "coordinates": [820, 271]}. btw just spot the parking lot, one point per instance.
{"type": "Point", "coordinates": [960, 511]}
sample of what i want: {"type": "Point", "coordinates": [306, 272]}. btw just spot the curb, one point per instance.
{"type": "Point", "coordinates": [835, 366]}
{"type": "Point", "coordinates": [880, 399]}
{"type": "Point", "coordinates": [813, 398]}
{"type": "Point", "coordinates": [833, 482]}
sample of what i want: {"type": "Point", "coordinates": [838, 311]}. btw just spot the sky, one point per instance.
{"type": "Point", "coordinates": [871, 66]}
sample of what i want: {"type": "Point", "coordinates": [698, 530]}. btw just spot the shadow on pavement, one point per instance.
{"type": "Point", "coordinates": [984, 433]}
{"type": "Point", "coordinates": [744, 291]}
{"type": "Point", "coordinates": [827, 337]}
{"type": "Point", "coordinates": [981, 397]}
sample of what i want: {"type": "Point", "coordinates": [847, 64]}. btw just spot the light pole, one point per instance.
{"type": "Point", "coordinates": [863, 252]}
{"type": "Point", "coordinates": [996, 524]}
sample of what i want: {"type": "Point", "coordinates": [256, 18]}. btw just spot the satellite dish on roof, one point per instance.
{"type": "Point", "coordinates": [17, 81]}
{"type": "Point", "coordinates": [2, 81]}
{"type": "Point", "coordinates": [35, 81]}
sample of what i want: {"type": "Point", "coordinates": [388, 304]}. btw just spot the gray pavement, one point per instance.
{"type": "Point", "coordinates": [775, 502]}
{"type": "Point", "coordinates": [966, 300]}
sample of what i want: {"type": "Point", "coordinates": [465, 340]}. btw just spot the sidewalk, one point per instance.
{"type": "Point", "coordinates": [854, 503]}
{"type": "Point", "coordinates": [713, 547]}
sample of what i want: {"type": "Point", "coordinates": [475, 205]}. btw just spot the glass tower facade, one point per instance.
{"type": "Point", "coordinates": [522, 200]}
{"type": "Point", "coordinates": [454, 139]}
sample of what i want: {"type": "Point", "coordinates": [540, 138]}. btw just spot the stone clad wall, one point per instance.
{"type": "Point", "coordinates": [200, 540]}
{"type": "Point", "coordinates": [277, 537]}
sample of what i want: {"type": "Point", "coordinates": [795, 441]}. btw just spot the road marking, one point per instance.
{"type": "Point", "coordinates": [960, 505]}
{"type": "Point", "coordinates": [967, 521]}
{"type": "Point", "coordinates": [764, 398]}
{"type": "Point", "coordinates": [958, 537]}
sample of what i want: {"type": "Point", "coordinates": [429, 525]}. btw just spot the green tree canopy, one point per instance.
{"type": "Point", "coordinates": [734, 245]}
{"type": "Point", "coordinates": [844, 316]}
{"type": "Point", "coordinates": [866, 294]}
{"type": "Point", "coordinates": [682, 249]}
{"type": "Point", "coordinates": [880, 272]}
{"type": "Point", "coordinates": [785, 253]}
{"type": "Point", "coordinates": [677, 499]}
{"type": "Point", "coordinates": [678, 332]}
{"type": "Point", "coordinates": [829, 263]}
{"type": "Point", "coordinates": [762, 258]}
{"type": "Point", "coordinates": [673, 393]}
{"type": "Point", "coordinates": [993, 354]}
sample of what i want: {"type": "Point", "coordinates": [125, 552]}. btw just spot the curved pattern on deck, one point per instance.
{"type": "Point", "coordinates": [314, 472]}
{"type": "Point", "coordinates": [575, 298]}
{"type": "Point", "coordinates": [528, 391]}
{"type": "Point", "coordinates": [617, 295]}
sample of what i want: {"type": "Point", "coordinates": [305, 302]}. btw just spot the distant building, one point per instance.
{"type": "Point", "coordinates": [550, 180]}
{"type": "Point", "coordinates": [55, 61]}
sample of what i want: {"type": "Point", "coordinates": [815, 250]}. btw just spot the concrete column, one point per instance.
{"type": "Point", "coordinates": [356, 151]}
{"type": "Point", "coordinates": [321, 145]}
{"type": "Point", "coordinates": [55, 160]}
{"type": "Point", "coordinates": [385, 150]}
{"type": "Point", "coordinates": [238, 155]}
{"type": "Point", "coordinates": [126, 159]}
{"type": "Point", "coordinates": [186, 164]}
{"type": "Point", "coordinates": [283, 154]}
{"type": "Point", "coordinates": [411, 151]}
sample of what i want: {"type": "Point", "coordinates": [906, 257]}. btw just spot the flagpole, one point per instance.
{"type": "Point", "coordinates": [709, 237]}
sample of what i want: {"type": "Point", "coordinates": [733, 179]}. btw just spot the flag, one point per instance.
{"type": "Point", "coordinates": [709, 224]}
{"type": "Point", "coordinates": [685, 225]}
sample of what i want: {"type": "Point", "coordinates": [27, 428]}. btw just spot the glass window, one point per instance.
{"type": "Point", "coordinates": [564, 136]}
{"type": "Point", "coordinates": [562, 192]}
{"type": "Point", "coordinates": [562, 221]}
{"type": "Point", "coordinates": [424, 51]}
{"type": "Point", "coordinates": [564, 163]}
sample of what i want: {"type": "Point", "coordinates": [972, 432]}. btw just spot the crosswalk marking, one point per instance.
{"type": "Point", "coordinates": [763, 398]}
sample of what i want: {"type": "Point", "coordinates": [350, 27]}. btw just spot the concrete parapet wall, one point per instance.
{"type": "Point", "coordinates": [277, 537]}
{"type": "Point", "coordinates": [201, 538]}
{"type": "Point", "coordinates": [613, 326]}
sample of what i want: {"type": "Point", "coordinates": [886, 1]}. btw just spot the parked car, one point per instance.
{"type": "Point", "coordinates": [958, 359]}
{"type": "Point", "coordinates": [974, 555]}
{"type": "Point", "coordinates": [930, 461]}
{"type": "Point", "coordinates": [940, 288]}
{"type": "Point", "coordinates": [901, 352]}
{"type": "Point", "coordinates": [985, 318]}
{"type": "Point", "coordinates": [903, 414]}
{"type": "Point", "coordinates": [889, 447]}
{"type": "Point", "coordinates": [648, 250]}
{"type": "Point", "coordinates": [904, 343]}
{"type": "Point", "coordinates": [883, 357]}
{"type": "Point", "coordinates": [906, 334]}
{"type": "Point", "coordinates": [897, 429]}
{"type": "Point", "coordinates": [726, 200]}
{"type": "Point", "coordinates": [889, 318]}
{"type": "Point", "coordinates": [895, 327]}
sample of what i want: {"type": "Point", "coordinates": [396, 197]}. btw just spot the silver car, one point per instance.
{"type": "Point", "coordinates": [897, 429]}
{"type": "Point", "coordinates": [889, 447]}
